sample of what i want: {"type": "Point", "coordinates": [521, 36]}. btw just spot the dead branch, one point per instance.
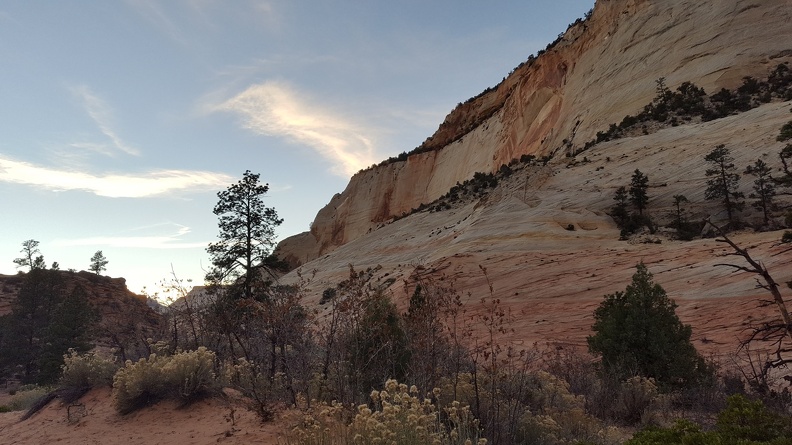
{"type": "Point", "coordinates": [758, 268]}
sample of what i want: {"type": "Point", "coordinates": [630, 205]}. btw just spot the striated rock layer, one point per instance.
{"type": "Point", "coordinates": [543, 236]}
{"type": "Point", "coordinates": [602, 69]}
{"type": "Point", "coordinates": [551, 252]}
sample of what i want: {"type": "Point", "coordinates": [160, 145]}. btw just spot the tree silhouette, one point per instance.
{"type": "Point", "coordinates": [98, 263]}
{"type": "Point", "coordinates": [29, 258]}
{"type": "Point", "coordinates": [247, 233]}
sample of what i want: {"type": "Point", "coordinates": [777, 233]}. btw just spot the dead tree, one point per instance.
{"type": "Point", "coordinates": [777, 332]}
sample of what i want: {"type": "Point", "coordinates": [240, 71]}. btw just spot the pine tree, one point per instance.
{"type": "Point", "coordinates": [70, 327]}
{"type": "Point", "coordinates": [29, 258]}
{"type": "Point", "coordinates": [764, 190]}
{"type": "Point", "coordinates": [786, 153]}
{"type": "Point", "coordinates": [724, 182]}
{"type": "Point", "coordinates": [619, 210]}
{"type": "Point", "coordinates": [637, 332]}
{"type": "Point", "coordinates": [98, 263]}
{"type": "Point", "coordinates": [638, 191]}
{"type": "Point", "coordinates": [31, 314]}
{"type": "Point", "coordinates": [247, 234]}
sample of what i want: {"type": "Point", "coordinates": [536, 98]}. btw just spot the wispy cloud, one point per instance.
{"type": "Point", "coordinates": [111, 185]}
{"type": "Point", "coordinates": [186, 21]}
{"type": "Point", "coordinates": [152, 11]}
{"type": "Point", "coordinates": [171, 240]}
{"type": "Point", "coordinates": [102, 116]}
{"type": "Point", "coordinates": [274, 109]}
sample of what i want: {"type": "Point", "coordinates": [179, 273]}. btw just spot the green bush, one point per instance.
{"type": "Point", "coordinates": [683, 432]}
{"type": "Point", "coordinates": [743, 422]}
{"type": "Point", "coordinates": [744, 419]}
{"type": "Point", "coordinates": [183, 376]}
{"type": "Point", "coordinates": [637, 332]}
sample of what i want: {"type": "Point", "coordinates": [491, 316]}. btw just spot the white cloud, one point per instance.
{"type": "Point", "coordinates": [273, 109]}
{"type": "Point", "coordinates": [102, 115]}
{"type": "Point", "coordinates": [111, 185]}
{"type": "Point", "coordinates": [167, 241]}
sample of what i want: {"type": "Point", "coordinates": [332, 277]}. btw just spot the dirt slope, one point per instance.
{"type": "Point", "coordinates": [92, 420]}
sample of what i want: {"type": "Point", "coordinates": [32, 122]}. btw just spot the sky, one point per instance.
{"type": "Point", "coordinates": [121, 120]}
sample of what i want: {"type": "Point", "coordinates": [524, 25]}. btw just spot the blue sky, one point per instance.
{"type": "Point", "coordinates": [121, 120]}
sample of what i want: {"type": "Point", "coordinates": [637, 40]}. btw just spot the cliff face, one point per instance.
{"type": "Point", "coordinates": [602, 69]}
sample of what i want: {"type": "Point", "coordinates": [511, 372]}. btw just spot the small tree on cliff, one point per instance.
{"type": "Point", "coordinates": [764, 189]}
{"type": "Point", "coordinates": [98, 263]}
{"type": "Point", "coordinates": [247, 234]}
{"type": "Point", "coordinates": [619, 210]}
{"type": "Point", "coordinates": [637, 332]}
{"type": "Point", "coordinates": [29, 258]}
{"type": "Point", "coordinates": [724, 182]}
{"type": "Point", "coordinates": [638, 191]}
{"type": "Point", "coordinates": [786, 153]}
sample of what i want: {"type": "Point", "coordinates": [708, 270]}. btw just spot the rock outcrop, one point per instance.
{"type": "Point", "coordinates": [126, 321]}
{"type": "Point", "coordinates": [542, 241]}
{"type": "Point", "coordinates": [601, 69]}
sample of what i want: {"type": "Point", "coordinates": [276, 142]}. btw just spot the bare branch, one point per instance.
{"type": "Point", "coordinates": [758, 268]}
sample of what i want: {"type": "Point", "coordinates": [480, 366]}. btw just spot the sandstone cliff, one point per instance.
{"type": "Point", "coordinates": [543, 235]}
{"type": "Point", "coordinates": [602, 69]}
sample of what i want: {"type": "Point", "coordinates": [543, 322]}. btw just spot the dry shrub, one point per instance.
{"type": "Point", "coordinates": [637, 400]}
{"type": "Point", "coordinates": [27, 396]}
{"type": "Point", "coordinates": [398, 417]}
{"type": "Point", "coordinates": [183, 376]}
{"type": "Point", "coordinates": [555, 416]}
{"type": "Point", "coordinates": [246, 377]}
{"type": "Point", "coordinates": [86, 370]}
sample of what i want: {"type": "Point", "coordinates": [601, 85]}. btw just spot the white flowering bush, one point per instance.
{"type": "Point", "coordinates": [86, 370]}
{"type": "Point", "coordinates": [399, 417]}
{"type": "Point", "coordinates": [183, 376]}
{"type": "Point", "coordinates": [190, 374]}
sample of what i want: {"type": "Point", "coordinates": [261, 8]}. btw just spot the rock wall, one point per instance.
{"type": "Point", "coordinates": [602, 69]}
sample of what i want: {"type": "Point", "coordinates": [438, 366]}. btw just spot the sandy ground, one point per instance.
{"type": "Point", "coordinates": [92, 420]}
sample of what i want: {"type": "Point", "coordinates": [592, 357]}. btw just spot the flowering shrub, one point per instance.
{"type": "Point", "coordinates": [398, 417]}
{"type": "Point", "coordinates": [182, 376]}
{"type": "Point", "coordinates": [86, 371]}
{"type": "Point", "coordinates": [190, 374]}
